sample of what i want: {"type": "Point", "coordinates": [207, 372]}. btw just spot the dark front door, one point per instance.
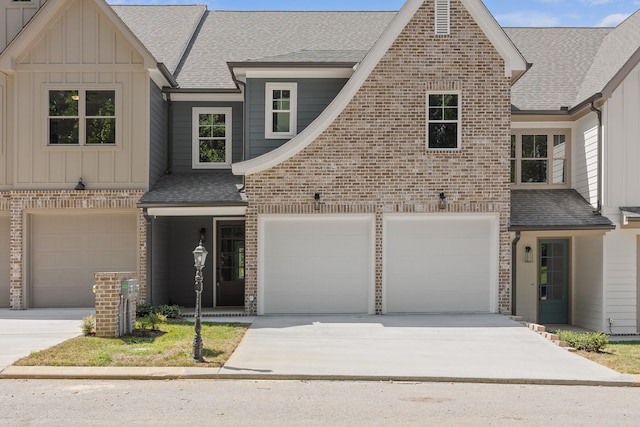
{"type": "Point", "coordinates": [554, 281]}
{"type": "Point", "coordinates": [230, 264]}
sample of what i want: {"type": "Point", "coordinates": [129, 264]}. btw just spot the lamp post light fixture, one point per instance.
{"type": "Point", "coordinates": [199, 257]}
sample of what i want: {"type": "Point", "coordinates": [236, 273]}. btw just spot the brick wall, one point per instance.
{"type": "Point", "coordinates": [373, 157]}
{"type": "Point", "coordinates": [19, 203]}
{"type": "Point", "coordinates": [108, 290]}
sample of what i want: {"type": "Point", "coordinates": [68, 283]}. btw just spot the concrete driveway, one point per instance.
{"type": "Point", "coordinates": [26, 331]}
{"type": "Point", "coordinates": [471, 347]}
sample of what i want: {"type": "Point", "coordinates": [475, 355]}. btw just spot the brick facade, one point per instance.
{"type": "Point", "coordinates": [21, 203]}
{"type": "Point", "coordinates": [108, 290]}
{"type": "Point", "coordinates": [372, 158]}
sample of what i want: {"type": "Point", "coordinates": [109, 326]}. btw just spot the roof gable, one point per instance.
{"type": "Point", "coordinates": [48, 14]}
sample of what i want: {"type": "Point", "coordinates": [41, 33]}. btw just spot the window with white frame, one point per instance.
{"type": "Point", "coordinates": [211, 145]}
{"type": "Point", "coordinates": [443, 121]}
{"type": "Point", "coordinates": [281, 110]}
{"type": "Point", "coordinates": [539, 157]}
{"type": "Point", "coordinates": [82, 117]}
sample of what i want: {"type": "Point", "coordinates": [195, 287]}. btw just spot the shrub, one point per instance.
{"type": "Point", "coordinates": [588, 341]}
{"type": "Point", "coordinates": [151, 321]}
{"type": "Point", "coordinates": [170, 311]}
{"type": "Point", "coordinates": [143, 309]}
{"type": "Point", "coordinates": [88, 325]}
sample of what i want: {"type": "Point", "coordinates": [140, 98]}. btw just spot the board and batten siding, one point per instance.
{"type": "Point", "coordinates": [81, 49]}
{"type": "Point", "coordinates": [158, 150]}
{"type": "Point", "coordinates": [14, 16]}
{"type": "Point", "coordinates": [313, 97]}
{"type": "Point", "coordinates": [585, 158]}
{"type": "Point", "coordinates": [182, 132]}
{"type": "Point", "coordinates": [587, 293]}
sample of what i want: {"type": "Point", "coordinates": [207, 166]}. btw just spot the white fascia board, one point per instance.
{"type": "Point", "coordinates": [293, 73]}
{"type": "Point", "coordinates": [198, 211]}
{"type": "Point", "coordinates": [514, 62]}
{"type": "Point", "coordinates": [207, 97]}
{"type": "Point", "coordinates": [339, 103]}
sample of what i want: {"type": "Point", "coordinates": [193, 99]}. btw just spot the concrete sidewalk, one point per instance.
{"type": "Point", "coordinates": [462, 348]}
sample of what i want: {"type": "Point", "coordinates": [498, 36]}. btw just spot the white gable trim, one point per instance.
{"type": "Point", "coordinates": [41, 20]}
{"type": "Point", "coordinates": [515, 65]}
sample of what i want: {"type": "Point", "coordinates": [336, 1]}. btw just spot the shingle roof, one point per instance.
{"type": "Point", "coordinates": [195, 189]}
{"type": "Point", "coordinates": [561, 59]}
{"type": "Point", "coordinates": [553, 210]}
{"type": "Point", "coordinates": [165, 30]}
{"type": "Point", "coordinates": [317, 56]}
{"type": "Point", "coordinates": [228, 36]}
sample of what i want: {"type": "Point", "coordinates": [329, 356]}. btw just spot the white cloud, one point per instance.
{"type": "Point", "coordinates": [596, 2]}
{"type": "Point", "coordinates": [527, 19]}
{"type": "Point", "coordinates": [613, 20]}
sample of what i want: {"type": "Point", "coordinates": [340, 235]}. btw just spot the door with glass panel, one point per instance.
{"type": "Point", "coordinates": [553, 271]}
{"type": "Point", "coordinates": [230, 264]}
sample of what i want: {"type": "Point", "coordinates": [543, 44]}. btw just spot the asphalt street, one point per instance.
{"type": "Point", "coordinates": [316, 403]}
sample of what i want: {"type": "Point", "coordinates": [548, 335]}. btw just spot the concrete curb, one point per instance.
{"type": "Point", "coordinates": [155, 373]}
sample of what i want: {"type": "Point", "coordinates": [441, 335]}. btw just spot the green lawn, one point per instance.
{"type": "Point", "coordinates": [623, 357]}
{"type": "Point", "coordinates": [170, 346]}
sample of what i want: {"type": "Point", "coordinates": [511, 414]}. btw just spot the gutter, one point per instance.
{"type": "Point", "coordinates": [149, 254]}
{"type": "Point", "coordinates": [563, 227]}
{"type": "Point", "coordinates": [169, 134]}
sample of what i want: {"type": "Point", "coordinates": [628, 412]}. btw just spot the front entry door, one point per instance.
{"type": "Point", "coordinates": [230, 264]}
{"type": "Point", "coordinates": [554, 281]}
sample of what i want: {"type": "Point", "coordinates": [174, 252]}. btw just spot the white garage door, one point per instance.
{"type": "Point", "coordinates": [4, 261]}
{"type": "Point", "coordinates": [436, 264]}
{"type": "Point", "coordinates": [316, 264]}
{"type": "Point", "coordinates": [67, 250]}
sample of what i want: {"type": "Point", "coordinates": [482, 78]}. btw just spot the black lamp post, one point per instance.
{"type": "Point", "coordinates": [199, 257]}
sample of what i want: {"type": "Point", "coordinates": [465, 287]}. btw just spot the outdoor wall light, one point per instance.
{"type": "Point", "coordinates": [80, 185]}
{"type": "Point", "coordinates": [442, 203]}
{"type": "Point", "coordinates": [316, 198]}
{"type": "Point", "coordinates": [528, 254]}
{"type": "Point", "coordinates": [203, 234]}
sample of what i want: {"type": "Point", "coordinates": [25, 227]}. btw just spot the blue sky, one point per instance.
{"type": "Point", "coordinates": [510, 13]}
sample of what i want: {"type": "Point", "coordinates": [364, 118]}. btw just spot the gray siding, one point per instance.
{"type": "Point", "coordinates": [182, 119]}
{"type": "Point", "coordinates": [160, 245]}
{"type": "Point", "coordinates": [158, 135]}
{"type": "Point", "coordinates": [313, 97]}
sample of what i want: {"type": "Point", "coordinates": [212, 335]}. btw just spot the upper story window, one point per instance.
{"type": "Point", "coordinates": [82, 117]}
{"type": "Point", "coordinates": [443, 121]}
{"type": "Point", "coordinates": [211, 145]}
{"type": "Point", "coordinates": [539, 157]}
{"type": "Point", "coordinates": [281, 110]}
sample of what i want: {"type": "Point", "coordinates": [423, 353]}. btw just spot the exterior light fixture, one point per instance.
{"type": "Point", "coordinates": [316, 198]}
{"type": "Point", "coordinates": [528, 254]}
{"type": "Point", "coordinates": [442, 203]}
{"type": "Point", "coordinates": [199, 258]}
{"type": "Point", "coordinates": [80, 185]}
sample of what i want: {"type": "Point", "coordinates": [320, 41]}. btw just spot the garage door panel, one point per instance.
{"type": "Point", "coordinates": [4, 261]}
{"type": "Point", "coordinates": [317, 265]}
{"type": "Point", "coordinates": [67, 251]}
{"type": "Point", "coordinates": [435, 264]}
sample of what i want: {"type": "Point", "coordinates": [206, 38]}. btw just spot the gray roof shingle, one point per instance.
{"type": "Point", "coordinates": [553, 210]}
{"type": "Point", "coordinates": [209, 188]}
{"type": "Point", "coordinates": [165, 30]}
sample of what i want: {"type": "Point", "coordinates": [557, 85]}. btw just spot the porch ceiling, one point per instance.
{"type": "Point", "coordinates": [554, 210]}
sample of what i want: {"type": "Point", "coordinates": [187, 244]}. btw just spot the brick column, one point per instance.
{"type": "Point", "coordinates": [108, 289]}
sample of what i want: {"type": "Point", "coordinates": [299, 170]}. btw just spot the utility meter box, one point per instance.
{"type": "Point", "coordinates": [130, 288]}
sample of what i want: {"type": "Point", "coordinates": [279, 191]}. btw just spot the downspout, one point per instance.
{"type": "Point", "coordinates": [169, 134]}
{"type": "Point", "coordinates": [244, 124]}
{"type": "Point", "coordinates": [599, 196]}
{"type": "Point", "coordinates": [147, 218]}
{"type": "Point", "coordinates": [514, 260]}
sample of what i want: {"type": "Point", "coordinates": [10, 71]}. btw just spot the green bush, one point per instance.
{"type": "Point", "coordinates": [88, 325]}
{"type": "Point", "coordinates": [588, 341]}
{"type": "Point", "coordinates": [170, 311]}
{"type": "Point", "coordinates": [143, 309]}
{"type": "Point", "coordinates": [151, 321]}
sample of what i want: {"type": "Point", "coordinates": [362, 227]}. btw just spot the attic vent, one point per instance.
{"type": "Point", "coordinates": [442, 17]}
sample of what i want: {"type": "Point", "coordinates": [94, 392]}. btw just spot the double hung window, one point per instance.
{"type": "Point", "coordinates": [281, 110]}
{"type": "Point", "coordinates": [443, 121]}
{"type": "Point", "coordinates": [211, 144]}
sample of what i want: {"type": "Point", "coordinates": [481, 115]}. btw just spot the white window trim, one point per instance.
{"type": "Point", "coordinates": [459, 121]}
{"type": "Point", "coordinates": [550, 132]}
{"type": "Point", "coordinates": [117, 88]}
{"type": "Point", "coordinates": [268, 116]}
{"type": "Point", "coordinates": [195, 140]}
